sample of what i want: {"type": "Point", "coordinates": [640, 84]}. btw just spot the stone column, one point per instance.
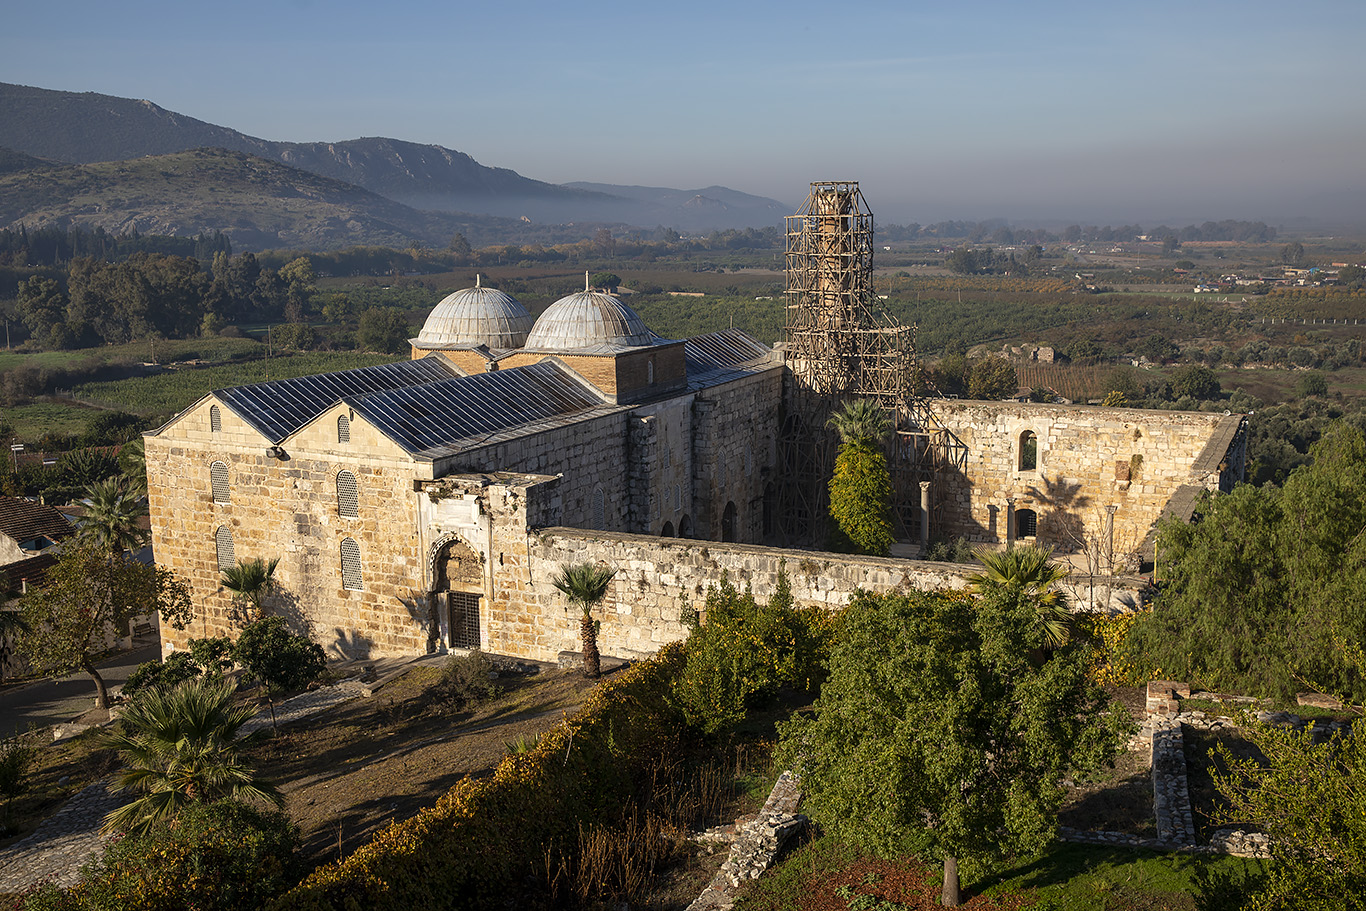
{"type": "Point", "coordinates": [924, 517]}
{"type": "Point", "coordinates": [1010, 522]}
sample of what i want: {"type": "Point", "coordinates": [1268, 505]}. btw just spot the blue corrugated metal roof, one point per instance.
{"type": "Point", "coordinates": [279, 407]}
{"type": "Point", "coordinates": [442, 418]}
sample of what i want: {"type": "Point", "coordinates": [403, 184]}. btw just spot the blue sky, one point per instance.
{"type": "Point", "coordinates": [1093, 112]}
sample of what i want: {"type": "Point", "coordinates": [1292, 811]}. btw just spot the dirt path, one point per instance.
{"type": "Point", "coordinates": [352, 770]}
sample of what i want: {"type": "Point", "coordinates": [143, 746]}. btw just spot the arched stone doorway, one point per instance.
{"type": "Point", "coordinates": [668, 531]}
{"type": "Point", "coordinates": [457, 590]}
{"type": "Point", "coordinates": [685, 527]}
{"type": "Point", "coordinates": [728, 523]}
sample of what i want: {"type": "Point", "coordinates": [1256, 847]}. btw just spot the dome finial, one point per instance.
{"type": "Point", "coordinates": [478, 280]}
{"type": "Point", "coordinates": [585, 280]}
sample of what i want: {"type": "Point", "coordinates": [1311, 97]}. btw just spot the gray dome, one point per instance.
{"type": "Point", "coordinates": [476, 316]}
{"type": "Point", "coordinates": [586, 319]}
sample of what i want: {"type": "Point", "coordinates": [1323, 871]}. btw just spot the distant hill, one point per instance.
{"type": "Point", "coordinates": [697, 210]}
{"type": "Point", "coordinates": [259, 204]}
{"type": "Point", "coordinates": [85, 127]}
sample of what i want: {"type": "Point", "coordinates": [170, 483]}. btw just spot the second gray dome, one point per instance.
{"type": "Point", "coordinates": [476, 316]}
{"type": "Point", "coordinates": [586, 319]}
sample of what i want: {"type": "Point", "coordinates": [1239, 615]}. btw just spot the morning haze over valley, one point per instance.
{"type": "Point", "coordinates": [682, 458]}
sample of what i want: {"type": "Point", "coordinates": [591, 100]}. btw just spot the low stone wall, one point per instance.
{"type": "Point", "coordinates": [659, 579]}
{"type": "Point", "coordinates": [754, 845]}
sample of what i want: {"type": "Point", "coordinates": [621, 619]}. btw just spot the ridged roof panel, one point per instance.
{"type": "Point", "coordinates": [279, 407]}
{"type": "Point", "coordinates": [445, 417]}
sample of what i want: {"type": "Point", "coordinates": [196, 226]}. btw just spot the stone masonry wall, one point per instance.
{"type": "Point", "coordinates": [1088, 458]}
{"type": "Point", "coordinates": [288, 509]}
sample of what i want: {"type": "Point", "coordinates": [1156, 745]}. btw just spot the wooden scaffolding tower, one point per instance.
{"type": "Point", "coordinates": [839, 346]}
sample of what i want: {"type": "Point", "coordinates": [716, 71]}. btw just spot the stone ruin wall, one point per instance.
{"type": "Point", "coordinates": [1088, 458]}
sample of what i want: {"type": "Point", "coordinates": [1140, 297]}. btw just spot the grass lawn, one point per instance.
{"type": "Point", "coordinates": [828, 875]}
{"type": "Point", "coordinates": [32, 421]}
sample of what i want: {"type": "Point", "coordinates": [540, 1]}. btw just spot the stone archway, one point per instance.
{"type": "Point", "coordinates": [457, 591]}
{"type": "Point", "coordinates": [728, 522]}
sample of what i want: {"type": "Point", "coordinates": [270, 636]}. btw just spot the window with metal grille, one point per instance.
{"type": "Point", "coordinates": [599, 509]}
{"type": "Point", "coordinates": [1026, 523]}
{"type": "Point", "coordinates": [350, 565]}
{"type": "Point", "coordinates": [650, 372]}
{"type": "Point", "coordinates": [464, 608]}
{"type": "Point", "coordinates": [227, 554]}
{"type": "Point", "coordinates": [343, 429]}
{"type": "Point", "coordinates": [215, 418]}
{"type": "Point", "coordinates": [218, 479]}
{"type": "Point", "coordinates": [348, 499]}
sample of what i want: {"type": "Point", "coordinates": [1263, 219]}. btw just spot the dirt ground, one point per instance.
{"type": "Point", "coordinates": [1118, 799]}
{"type": "Point", "coordinates": [350, 771]}
{"type": "Point", "coordinates": [1200, 767]}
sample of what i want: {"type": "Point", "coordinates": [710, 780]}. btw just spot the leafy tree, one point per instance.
{"type": "Point", "coordinates": [88, 591]}
{"type": "Point", "coordinates": [42, 306]}
{"type": "Point", "coordinates": [1115, 399]}
{"type": "Point", "coordinates": [1262, 590]}
{"type": "Point", "coordinates": [250, 581]}
{"type": "Point", "coordinates": [299, 336]}
{"type": "Point", "coordinates": [992, 378]}
{"type": "Point", "coordinates": [745, 651]}
{"type": "Point", "coordinates": [383, 329]}
{"type": "Point", "coordinates": [179, 747]}
{"type": "Point", "coordinates": [110, 521]}
{"type": "Point", "coordinates": [12, 625]}
{"type": "Point", "coordinates": [281, 660]}
{"type": "Point", "coordinates": [936, 732]}
{"type": "Point", "coordinates": [1158, 348]}
{"type": "Point", "coordinates": [1293, 253]}
{"type": "Point", "coordinates": [460, 249]}
{"type": "Point", "coordinates": [1196, 381]}
{"type": "Point", "coordinates": [861, 488]}
{"type": "Point", "coordinates": [1311, 384]}
{"type": "Point", "coordinates": [1028, 577]}
{"type": "Point", "coordinates": [607, 280]}
{"type": "Point", "coordinates": [585, 584]}
{"type": "Point", "coordinates": [206, 657]}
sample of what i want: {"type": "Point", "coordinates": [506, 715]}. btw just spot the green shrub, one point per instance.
{"type": "Point", "coordinates": [205, 655]}
{"type": "Point", "coordinates": [745, 651]}
{"type": "Point", "coordinates": [211, 857]}
{"type": "Point", "coordinates": [466, 680]}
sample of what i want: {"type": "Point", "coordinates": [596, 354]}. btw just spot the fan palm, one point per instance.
{"type": "Point", "coordinates": [250, 581]}
{"type": "Point", "coordinates": [133, 464]}
{"type": "Point", "coordinates": [112, 510]}
{"type": "Point", "coordinates": [1029, 574]}
{"type": "Point", "coordinates": [585, 584]}
{"type": "Point", "coordinates": [861, 421]}
{"type": "Point", "coordinates": [180, 746]}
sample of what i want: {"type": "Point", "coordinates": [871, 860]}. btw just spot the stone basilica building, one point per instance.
{"type": "Point", "coordinates": [426, 504]}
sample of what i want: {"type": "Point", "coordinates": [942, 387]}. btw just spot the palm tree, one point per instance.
{"type": "Point", "coordinates": [112, 510]}
{"type": "Point", "coordinates": [585, 584]}
{"type": "Point", "coordinates": [861, 421]}
{"type": "Point", "coordinates": [861, 487]}
{"type": "Point", "coordinates": [250, 581]}
{"type": "Point", "coordinates": [180, 746]}
{"type": "Point", "coordinates": [133, 464]}
{"type": "Point", "coordinates": [1029, 575]}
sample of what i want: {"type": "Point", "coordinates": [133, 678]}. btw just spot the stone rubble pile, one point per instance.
{"type": "Point", "coordinates": [755, 842]}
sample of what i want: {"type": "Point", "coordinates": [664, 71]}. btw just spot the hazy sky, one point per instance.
{"type": "Point", "coordinates": [1093, 112]}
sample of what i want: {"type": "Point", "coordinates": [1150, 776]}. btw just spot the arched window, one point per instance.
{"type": "Point", "coordinates": [218, 479]}
{"type": "Point", "coordinates": [348, 499]}
{"type": "Point", "coordinates": [215, 419]}
{"type": "Point", "coordinates": [343, 429]}
{"type": "Point", "coordinates": [650, 372]}
{"type": "Point", "coordinates": [728, 523]}
{"type": "Point", "coordinates": [1026, 523]}
{"type": "Point", "coordinates": [1029, 451]}
{"type": "Point", "coordinates": [350, 565]}
{"type": "Point", "coordinates": [599, 509]}
{"type": "Point", "coordinates": [227, 554]}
